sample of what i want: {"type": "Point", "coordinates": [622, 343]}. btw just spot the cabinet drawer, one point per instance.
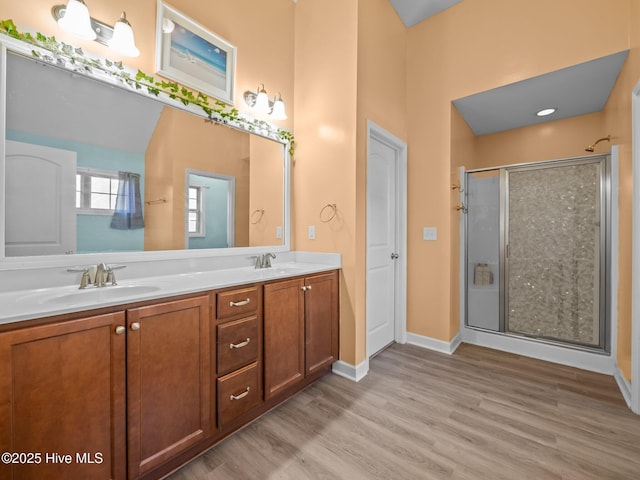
{"type": "Point", "coordinates": [237, 302]}
{"type": "Point", "coordinates": [238, 393]}
{"type": "Point", "coordinates": [237, 344]}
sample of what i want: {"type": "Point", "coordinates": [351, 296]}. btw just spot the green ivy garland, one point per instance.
{"type": "Point", "coordinates": [64, 54]}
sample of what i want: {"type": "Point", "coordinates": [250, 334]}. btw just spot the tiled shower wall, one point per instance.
{"type": "Point", "coordinates": [554, 249]}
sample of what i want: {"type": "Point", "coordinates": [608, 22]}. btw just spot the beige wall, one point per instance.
{"type": "Point", "coordinates": [475, 46]}
{"type": "Point", "coordinates": [266, 180]}
{"type": "Point", "coordinates": [342, 80]}
{"type": "Point", "coordinates": [568, 137]}
{"type": "Point", "coordinates": [558, 139]}
{"type": "Point", "coordinates": [617, 119]}
{"type": "Point", "coordinates": [261, 30]}
{"type": "Point", "coordinates": [382, 62]}
{"type": "Point", "coordinates": [182, 141]}
{"type": "Point", "coordinates": [325, 127]}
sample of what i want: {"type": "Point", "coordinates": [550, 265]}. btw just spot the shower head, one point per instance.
{"type": "Point", "coordinates": [592, 147]}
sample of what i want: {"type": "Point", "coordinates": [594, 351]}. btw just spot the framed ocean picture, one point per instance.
{"type": "Point", "coordinates": [192, 56]}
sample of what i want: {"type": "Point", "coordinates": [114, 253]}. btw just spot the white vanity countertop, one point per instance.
{"type": "Point", "coordinates": [19, 305]}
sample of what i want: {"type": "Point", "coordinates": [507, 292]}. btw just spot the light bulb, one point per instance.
{"type": "Point", "coordinates": [77, 21]}
{"type": "Point", "coordinates": [262, 102]}
{"type": "Point", "coordinates": [278, 112]}
{"type": "Point", "coordinates": [122, 40]}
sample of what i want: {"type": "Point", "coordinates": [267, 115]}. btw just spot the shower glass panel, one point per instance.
{"type": "Point", "coordinates": [554, 261]}
{"type": "Point", "coordinates": [483, 249]}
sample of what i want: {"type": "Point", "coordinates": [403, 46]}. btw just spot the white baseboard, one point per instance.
{"type": "Point", "coordinates": [624, 385]}
{"type": "Point", "coordinates": [434, 344]}
{"type": "Point", "coordinates": [355, 373]}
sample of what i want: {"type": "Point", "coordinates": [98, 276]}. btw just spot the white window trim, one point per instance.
{"type": "Point", "coordinates": [98, 172]}
{"type": "Point", "coordinates": [202, 227]}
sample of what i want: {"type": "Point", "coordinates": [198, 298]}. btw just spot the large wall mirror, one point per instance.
{"type": "Point", "coordinates": [93, 168]}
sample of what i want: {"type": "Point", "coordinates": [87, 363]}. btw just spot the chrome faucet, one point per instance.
{"type": "Point", "coordinates": [266, 260]}
{"type": "Point", "coordinates": [263, 261]}
{"type": "Point", "coordinates": [85, 279]}
{"type": "Point", "coordinates": [101, 273]}
{"type": "Point", "coordinates": [98, 276]}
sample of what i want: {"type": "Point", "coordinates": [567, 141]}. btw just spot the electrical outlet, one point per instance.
{"type": "Point", "coordinates": [312, 232]}
{"type": "Point", "coordinates": [429, 233]}
{"type": "Point", "coordinates": [278, 231]}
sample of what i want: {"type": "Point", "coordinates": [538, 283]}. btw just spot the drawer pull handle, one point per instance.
{"type": "Point", "coordinates": [240, 304]}
{"type": "Point", "coordinates": [239, 345]}
{"type": "Point", "coordinates": [241, 396]}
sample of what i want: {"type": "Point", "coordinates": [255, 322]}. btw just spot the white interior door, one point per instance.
{"type": "Point", "coordinates": [382, 251]}
{"type": "Point", "coordinates": [40, 212]}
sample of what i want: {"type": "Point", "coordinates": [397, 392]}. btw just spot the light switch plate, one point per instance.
{"type": "Point", "coordinates": [430, 233]}
{"type": "Point", "coordinates": [312, 232]}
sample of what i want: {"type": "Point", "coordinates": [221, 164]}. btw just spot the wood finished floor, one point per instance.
{"type": "Point", "coordinates": [479, 414]}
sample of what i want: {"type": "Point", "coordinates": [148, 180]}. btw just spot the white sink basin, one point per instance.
{"type": "Point", "coordinates": [89, 295]}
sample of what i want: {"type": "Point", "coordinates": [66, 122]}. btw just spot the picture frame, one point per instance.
{"type": "Point", "coordinates": [192, 56]}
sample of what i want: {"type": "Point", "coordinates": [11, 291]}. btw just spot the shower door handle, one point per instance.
{"type": "Point", "coordinates": [394, 256]}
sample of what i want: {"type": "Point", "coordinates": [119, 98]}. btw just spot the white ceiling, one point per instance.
{"type": "Point", "coordinates": [414, 11]}
{"type": "Point", "coordinates": [575, 90]}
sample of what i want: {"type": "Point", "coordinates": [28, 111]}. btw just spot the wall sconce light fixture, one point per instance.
{"type": "Point", "coordinates": [260, 102]}
{"type": "Point", "coordinates": [74, 18]}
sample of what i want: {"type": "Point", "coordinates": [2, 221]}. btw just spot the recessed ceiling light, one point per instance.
{"type": "Point", "coordinates": [546, 111]}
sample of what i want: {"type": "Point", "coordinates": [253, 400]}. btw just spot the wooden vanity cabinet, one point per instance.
{"type": "Point", "coordinates": [283, 336]}
{"type": "Point", "coordinates": [239, 352]}
{"type": "Point", "coordinates": [300, 330]}
{"type": "Point", "coordinates": [139, 390]}
{"type": "Point", "coordinates": [321, 315]}
{"type": "Point", "coordinates": [168, 381]}
{"type": "Point", "coordinates": [62, 391]}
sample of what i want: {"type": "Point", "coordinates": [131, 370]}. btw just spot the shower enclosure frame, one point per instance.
{"type": "Point", "coordinates": [604, 344]}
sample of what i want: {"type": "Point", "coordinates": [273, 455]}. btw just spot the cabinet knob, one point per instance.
{"type": "Point", "coordinates": [120, 329]}
{"type": "Point", "coordinates": [135, 326]}
{"type": "Point", "coordinates": [305, 288]}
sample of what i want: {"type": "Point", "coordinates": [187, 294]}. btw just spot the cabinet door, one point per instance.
{"type": "Point", "coordinates": [283, 336]}
{"type": "Point", "coordinates": [62, 393]}
{"type": "Point", "coordinates": [168, 379]}
{"type": "Point", "coordinates": [321, 321]}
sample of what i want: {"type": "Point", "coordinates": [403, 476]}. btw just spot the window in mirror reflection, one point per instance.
{"type": "Point", "coordinates": [96, 191]}
{"type": "Point", "coordinates": [211, 210]}
{"type": "Point", "coordinates": [196, 212]}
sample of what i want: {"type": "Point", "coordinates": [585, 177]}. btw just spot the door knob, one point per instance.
{"type": "Point", "coordinates": [394, 256]}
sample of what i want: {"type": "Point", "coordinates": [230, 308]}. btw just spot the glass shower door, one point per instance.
{"type": "Point", "coordinates": [483, 250]}
{"type": "Point", "coordinates": [554, 240]}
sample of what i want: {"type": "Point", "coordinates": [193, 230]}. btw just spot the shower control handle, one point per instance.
{"type": "Point", "coordinates": [394, 256]}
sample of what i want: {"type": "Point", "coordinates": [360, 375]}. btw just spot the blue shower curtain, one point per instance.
{"type": "Point", "coordinates": [128, 211]}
